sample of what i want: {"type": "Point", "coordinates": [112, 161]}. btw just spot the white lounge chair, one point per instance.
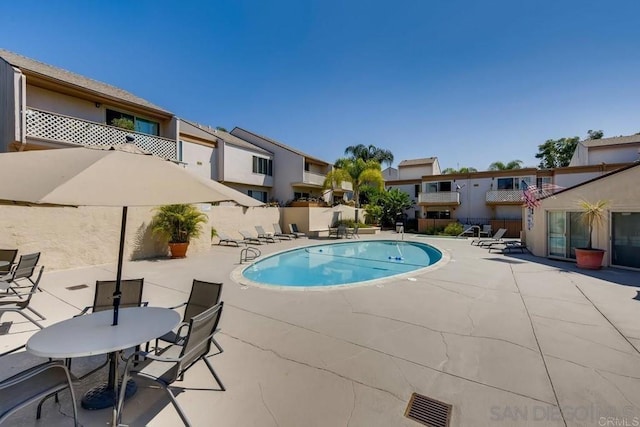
{"type": "Point", "coordinates": [278, 232]}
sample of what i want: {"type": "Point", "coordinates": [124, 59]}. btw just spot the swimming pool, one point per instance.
{"type": "Point", "coordinates": [342, 263]}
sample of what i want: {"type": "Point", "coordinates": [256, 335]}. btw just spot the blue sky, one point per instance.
{"type": "Point", "coordinates": [470, 82]}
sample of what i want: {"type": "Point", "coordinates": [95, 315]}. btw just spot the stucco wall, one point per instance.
{"type": "Point", "coordinates": [55, 102]}
{"type": "Point", "coordinates": [238, 167]}
{"type": "Point", "coordinates": [231, 219]}
{"type": "Point", "coordinates": [199, 159]}
{"type": "Point", "coordinates": [10, 81]}
{"type": "Point", "coordinates": [414, 172]}
{"type": "Point", "coordinates": [78, 237]}
{"type": "Point", "coordinates": [619, 189]}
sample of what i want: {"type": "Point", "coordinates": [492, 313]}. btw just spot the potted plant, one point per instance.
{"type": "Point", "coordinates": [593, 215]}
{"type": "Point", "coordinates": [178, 224]}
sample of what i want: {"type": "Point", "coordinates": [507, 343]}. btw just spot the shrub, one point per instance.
{"type": "Point", "coordinates": [453, 229]}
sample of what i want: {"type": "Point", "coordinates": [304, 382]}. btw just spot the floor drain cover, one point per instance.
{"type": "Point", "coordinates": [427, 411]}
{"type": "Point", "coordinates": [77, 287]}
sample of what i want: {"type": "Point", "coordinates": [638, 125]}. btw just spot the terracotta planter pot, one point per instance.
{"type": "Point", "coordinates": [590, 259]}
{"type": "Point", "coordinates": [178, 250]}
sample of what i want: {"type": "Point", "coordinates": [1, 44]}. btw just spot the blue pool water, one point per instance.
{"type": "Point", "coordinates": [342, 263]}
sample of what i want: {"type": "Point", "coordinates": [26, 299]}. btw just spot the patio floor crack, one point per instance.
{"type": "Point", "coordinates": [278, 355]}
{"type": "Point", "coordinates": [353, 408]}
{"type": "Point", "coordinates": [267, 406]}
{"type": "Point", "coordinates": [535, 336]}
{"type": "Point", "coordinates": [450, 374]}
{"type": "Point", "coordinates": [445, 332]}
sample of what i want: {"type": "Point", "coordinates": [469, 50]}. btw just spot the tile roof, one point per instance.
{"type": "Point", "coordinates": [55, 73]}
{"type": "Point", "coordinates": [416, 162]}
{"type": "Point", "coordinates": [616, 140]}
{"type": "Point", "coordinates": [208, 132]}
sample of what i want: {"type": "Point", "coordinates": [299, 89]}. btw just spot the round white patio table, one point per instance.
{"type": "Point", "coordinates": [93, 334]}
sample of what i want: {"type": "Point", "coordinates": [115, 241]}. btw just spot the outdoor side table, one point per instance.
{"type": "Point", "coordinates": [93, 334]}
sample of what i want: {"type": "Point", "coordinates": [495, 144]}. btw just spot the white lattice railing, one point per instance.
{"type": "Point", "coordinates": [504, 196]}
{"type": "Point", "coordinates": [440, 197]}
{"type": "Point", "coordinates": [59, 128]}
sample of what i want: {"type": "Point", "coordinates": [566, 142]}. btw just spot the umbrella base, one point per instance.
{"type": "Point", "coordinates": [101, 397]}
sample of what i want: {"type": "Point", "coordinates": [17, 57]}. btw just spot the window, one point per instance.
{"type": "Point", "coordinates": [513, 183]}
{"type": "Point", "coordinates": [438, 214]}
{"type": "Point", "coordinates": [139, 124]}
{"type": "Point", "coordinates": [297, 195]}
{"type": "Point", "coordinates": [262, 166]}
{"type": "Point", "coordinates": [543, 182]}
{"type": "Point", "coordinates": [434, 187]}
{"type": "Point", "coordinates": [258, 195]}
{"type": "Point", "coordinates": [416, 190]}
{"type": "Point", "coordinates": [306, 166]}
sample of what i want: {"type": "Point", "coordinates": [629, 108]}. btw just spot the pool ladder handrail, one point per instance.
{"type": "Point", "coordinates": [249, 254]}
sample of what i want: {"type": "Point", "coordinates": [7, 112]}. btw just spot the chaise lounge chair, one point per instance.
{"type": "Point", "coordinates": [294, 230]}
{"type": "Point", "coordinates": [508, 246]}
{"type": "Point", "coordinates": [227, 240]}
{"type": "Point", "coordinates": [486, 241]}
{"type": "Point", "coordinates": [248, 238]}
{"type": "Point", "coordinates": [263, 235]}
{"type": "Point", "coordinates": [278, 232]}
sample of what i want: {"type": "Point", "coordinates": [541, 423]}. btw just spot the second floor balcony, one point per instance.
{"type": "Point", "coordinates": [439, 198]}
{"type": "Point", "coordinates": [504, 197]}
{"type": "Point", "coordinates": [57, 128]}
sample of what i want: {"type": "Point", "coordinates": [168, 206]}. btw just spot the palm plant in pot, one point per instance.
{"type": "Point", "coordinates": [178, 224]}
{"type": "Point", "coordinates": [593, 215]}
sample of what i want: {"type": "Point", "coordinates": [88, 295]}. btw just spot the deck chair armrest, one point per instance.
{"type": "Point", "coordinates": [148, 355]}
{"type": "Point", "coordinates": [178, 306]}
{"type": "Point", "coordinates": [179, 335]}
{"type": "Point", "coordinates": [83, 312]}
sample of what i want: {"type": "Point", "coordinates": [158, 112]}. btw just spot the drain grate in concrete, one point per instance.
{"type": "Point", "coordinates": [427, 411]}
{"type": "Point", "coordinates": [77, 287]}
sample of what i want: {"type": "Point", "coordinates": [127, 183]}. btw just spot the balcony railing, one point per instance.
{"type": "Point", "coordinates": [58, 128]}
{"type": "Point", "coordinates": [313, 178]}
{"type": "Point", "coordinates": [504, 196]}
{"type": "Point", "coordinates": [440, 198]}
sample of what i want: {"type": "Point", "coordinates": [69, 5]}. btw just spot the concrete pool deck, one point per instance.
{"type": "Point", "coordinates": [506, 339]}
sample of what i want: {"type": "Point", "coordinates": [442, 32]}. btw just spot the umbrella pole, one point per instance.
{"type": "Point", "coordinates": [117, 294]}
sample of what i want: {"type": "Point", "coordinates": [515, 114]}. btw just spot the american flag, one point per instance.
{"type": "Point", "coordinates": [532, 194]}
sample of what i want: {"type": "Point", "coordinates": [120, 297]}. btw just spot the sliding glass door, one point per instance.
{"type": "Point", "coordinates": [625, 236]}
{"type": "Point", "coordinates": [565, 232]}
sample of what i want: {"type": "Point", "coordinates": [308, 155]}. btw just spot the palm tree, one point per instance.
{"type": "Point", "coordinates": [356, 171]}
{"type": "Point", "coordinates": [461, 170]}
{"type": "Point", "coordinates": [499, 166]}
{"type": "Point", "coordinates": [371, 152]}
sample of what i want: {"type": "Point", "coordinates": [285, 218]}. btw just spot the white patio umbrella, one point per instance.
{"type": "Point", "coordinates": [109, 178]}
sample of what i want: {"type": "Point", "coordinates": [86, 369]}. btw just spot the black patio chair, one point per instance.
{"type": "Point", "coordinates": [203, 296]}
{"type": "Point", "coordinates": [174, 361]}
{"type": "Point", "coordinates": [9, 256]}
{"type": "Point", "coordinates": [33, 384]}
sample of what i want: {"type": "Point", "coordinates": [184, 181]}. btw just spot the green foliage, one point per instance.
{"type": "Point", "coordinates": [593, 214]}
{"type": "Point", "coordinates": [595, 134]}
{"type": "Point", "coordinates": [358, 172]}
{"type": "Point", "coordinates": [465, 169]}
{"type": "Point", "coordinates": [434, 231]}
{"type": "Point", "coordinates": [350, 223]}
{"type": "Point", "coordinates": [214, 233]}
{"type": "Point", "coordinates": [370, 152]}
{"type": "Point", "coordinates": [178, 223]}
{"type": "Point", "coordinates": [123, 123]}
{"type": "Point", "coordinates": [499, 166]}
{"type": "Point", "coordinates": [453, 229]}
{"type": "Point", "coordinates": [374, 213]}
{"type": "Point", "coordinates": [220, 128]}
{"type": "Point", "coordinates": [556, 153]}
{"type": "Point", "coordinates": [393, 202]}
